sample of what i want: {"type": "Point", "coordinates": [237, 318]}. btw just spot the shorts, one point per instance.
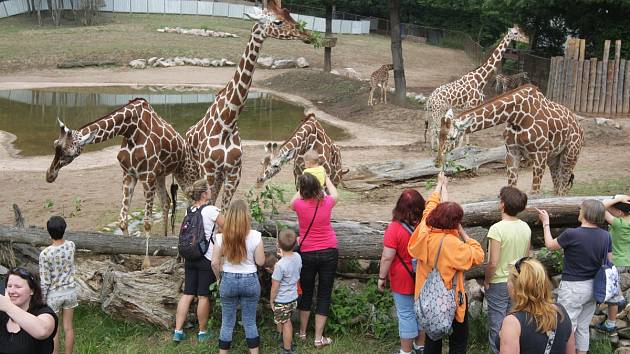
{"type": "Point", "coordinates": [619, 298]}
{"type": "Point", "coordinates": [66, 299]}
{"type": "Point", "coordinates": [198, 276]}
{"type": "Point", "coordinates": [408, 326]}
{"type": "Point", "coordinates": [283, 312]}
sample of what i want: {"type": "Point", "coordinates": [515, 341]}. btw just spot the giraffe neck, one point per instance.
{"type": "Point", "coordinates": [236, 91]}
{"type": "Point", "coordinates": [300, 141]}
{"type": "Point", "coordinates": [118, 122]}
{"type": "Point", "coordinates": [485, 71]}
{"type": "Point", "coordinates": [499, 110]}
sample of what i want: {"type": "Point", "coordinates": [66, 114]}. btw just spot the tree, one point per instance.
{"type": "Point", "coordinates": [397, 57]}
{"type": "Point", "coordinates": [330, 9]}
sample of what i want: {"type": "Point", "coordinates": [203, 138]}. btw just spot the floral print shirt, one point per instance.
{"type": "Point", "coordinates": [56, 268]}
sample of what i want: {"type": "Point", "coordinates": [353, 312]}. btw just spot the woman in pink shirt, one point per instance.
{"type": "Point", "coordinates": [318, 248]}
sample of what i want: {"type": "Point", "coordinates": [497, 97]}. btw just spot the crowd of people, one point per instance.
{"type": "Point", "coordinates": [425, 239]}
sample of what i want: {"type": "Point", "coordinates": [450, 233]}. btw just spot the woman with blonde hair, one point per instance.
{"type": "Point", "coordinates": [536, 324]}
{"type": "Point", "coordinates": [237, 252]}
{"type": "Point", "coordinates": [198, 275]}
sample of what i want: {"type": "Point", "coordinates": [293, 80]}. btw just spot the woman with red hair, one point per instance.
{"type": "Point", "coordinates": [440, 227]}
{"type": "Point", "coordinates": [396, 264]}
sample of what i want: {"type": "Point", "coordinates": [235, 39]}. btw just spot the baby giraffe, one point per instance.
{"type": "Point", "coordinates": [379, 79]}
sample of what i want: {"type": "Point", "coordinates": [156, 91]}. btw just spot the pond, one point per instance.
{"type": "Point", "coordinates": [31, 114]}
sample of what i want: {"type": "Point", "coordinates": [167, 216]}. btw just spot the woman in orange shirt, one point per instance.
{"type": "Point", "coordinates": [442, 220]}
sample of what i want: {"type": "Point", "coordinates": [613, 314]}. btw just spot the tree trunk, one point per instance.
{"type": "Point", "coordinates": [397, 56]}
{"type": "Point", "coordinates": [330, 9]}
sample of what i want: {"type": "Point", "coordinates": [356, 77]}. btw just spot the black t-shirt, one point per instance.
{"type": "Point", "coordinates": [22, 342]}
{"type": "Point", "coordinates": [584, 250]}
{"type": "Point", "coordinates": [534, 342]}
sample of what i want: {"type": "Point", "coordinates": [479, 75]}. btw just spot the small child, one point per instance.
{"type": "Point", "coordinates": [56, 270]}
{"type": "Point", "coordinates": [311, 162]}
{"type": "Point", "coordinates": [618, 217]}
{"type": "Point", "coordinates": [284, 295]}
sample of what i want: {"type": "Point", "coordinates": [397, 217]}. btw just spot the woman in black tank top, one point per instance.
{"type": "Point", "coordinates": [536, 324]}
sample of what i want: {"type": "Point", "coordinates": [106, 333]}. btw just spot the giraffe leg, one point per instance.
{"type": "Point", "coordinates": [149, 186]}
{"type": "Point", "coordinates": [567, 164]}
{"type": "Point", "coordinates": [216, 188]}
{"type": "Point", "coordinates": [370, 96]}
{"type": "Point", "coordinates": [512, 161]}
{"type": "Point", "coordinates": [554, 169]}
{"type": "Point", "coordinates": [165, 201]}
{"type": "Point", "coordinates": [384, 91]}
{"type": "Point", "coordinates": [232, 180]}
{"type": "Point", "coordinates": [129, 184]}
{"type": "Point", "coordinates": [538, 171]}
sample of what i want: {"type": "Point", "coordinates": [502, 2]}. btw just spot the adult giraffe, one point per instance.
{"type": "Point", "coordinates": [309, 135]}
{"type": "Point", "coordinates": [216, 135]}
{"type": "Point", "coordinates": [151, 149]}
{"type": "Point", "coordinates": [538, 130]}
{"type": "Point", "coordinates": [467, 91]}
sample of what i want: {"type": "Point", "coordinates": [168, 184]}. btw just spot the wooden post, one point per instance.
{"type": "Point", "coordinates": [559, 86]}
{"type": "Point", "coordinates": [551, 79]}
{"type": "Point", "coordinates": [613, 106]}
{"type": "Point", "coordinates": [577, 97]}
{"type": "Point", "coordinates": [576, 49]}
{"type": "Point", "coordinates": [582, 49]}
{"type": "Point", "coordinates": [586, 67]}
{"type": "Point", "coordinates": [591, 84]}
{"type": "Point", "coordinates": [626, 89]}
{"type": "Point", "coordinates": [619, 92]}
{"type": "Point", "coordinates": [568, 84]}
{"type": "Point", "coordinates": [602, 93]}
{"type": "Point", "coordinates": [609, 86]}
{"type": "Point", "coordinates": [598, 87]}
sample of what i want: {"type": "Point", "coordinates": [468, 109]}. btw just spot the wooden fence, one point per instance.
{"type": "Point", "coordinates": [590, 86]}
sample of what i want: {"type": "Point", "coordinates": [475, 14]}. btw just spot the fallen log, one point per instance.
{"type": "Point", "coordinates": [467, 158]}
{"type": "Point", "coordinates": [86, 63]}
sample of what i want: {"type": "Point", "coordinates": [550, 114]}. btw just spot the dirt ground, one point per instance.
{"type": "Point", "coordinates": [383, 133]}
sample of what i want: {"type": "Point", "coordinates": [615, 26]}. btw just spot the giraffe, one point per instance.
{"type": "Point", "coordinates": [538, 130]}
{"type": "Point", "coordinates": [308, 135]}
{"type": "Point", "coordinates": [216, 135]}
{"type": "Point", "coordinates": [378, 79]}
{"type": "Point", "coordinates": [151, 149]}
{"type": "Point", "coordinates": [467, 91]}
{"type": "Point", "coordinates": [503, 83]}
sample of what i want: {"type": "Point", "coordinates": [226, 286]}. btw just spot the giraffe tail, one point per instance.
{"type": "Point", "coordinates": [571, 181]}
{"type": "Point", "coordinates": [174, 188]}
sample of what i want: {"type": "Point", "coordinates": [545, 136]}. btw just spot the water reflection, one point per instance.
{"type": "Point", "coordinates": [31, 114]}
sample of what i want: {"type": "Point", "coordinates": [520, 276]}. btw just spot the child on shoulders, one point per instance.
{"type": "Point", "coordinates": [311, 162]}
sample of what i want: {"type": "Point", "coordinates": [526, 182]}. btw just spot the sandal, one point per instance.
{"type": "Point", "coordinates": [324, 341]}
{"type": "Point", "coordinates": [302, 336]}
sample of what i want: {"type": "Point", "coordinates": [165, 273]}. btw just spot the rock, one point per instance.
{"type": "Point", "coordinates": [283, 64]}
{"type": "Point", "coordinates": [351, 74]}
{"type": "Point", "coordinates": [624, 281]}
{"type": "Point", "coordinates": [302, 63]}
{"type": "Point", "coordinates": [624, 332]}
{"type": "Point", "coordinates": [474, 289]}
{"type": "Point", "coordinates": [179, 61]}
{"type": "Point", "coordinates": [601, 309]}
{"type": "Point", "coordinates": [334, 72]}
{"type": "Point", "coordinates": [229, 63]}
{"type": "Point", "coordinates": [222, 62]}
{"type": "Point", "coordinates": [597, 319]}
{"type": "Point", "coordinates": [215, 63]}
{"type": "Point", "coordinates": [622, 350]}
{"type": "Point", "coordinates": [152, 60]}
{"type": "Point", "coordinates": [555, 280]}
{"type": "Point", "coordinates": [204, 62]}
{"type": "Point", "coordinates": [138, 63]}
{"type": "Point", "coordinates": [621, 323]}
{"type": "Point", "coordinates": [420, 98]}
{"type": "Point", "coordinates": [475, 308]}
{"type": "Point", "coordinates": [265, 62]}
{"type": "Point", "coordinates": [607, 122]}
{"type": "Point", "coordinates": [624, 343]}
{"type": "Point", "coordinates": [161, 30]}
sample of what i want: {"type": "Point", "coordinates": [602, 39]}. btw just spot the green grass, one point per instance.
{"type": "Point", "coordinates": [604, 186]}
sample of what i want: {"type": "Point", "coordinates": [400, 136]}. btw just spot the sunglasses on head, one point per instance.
{"type": "Point", "coordinates": [22, 273]}
{"type": "Point", "coordinates": [518, 263]}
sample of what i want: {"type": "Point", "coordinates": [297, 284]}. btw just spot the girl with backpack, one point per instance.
{"type": "Point", "coordinates": [241, 249]}
{"type": "Point", "coordinates": [440, 243]}
{"type": "Point", "coordinates": [396, 263]}
{"type": "Point", "coordinates": [198, 275]}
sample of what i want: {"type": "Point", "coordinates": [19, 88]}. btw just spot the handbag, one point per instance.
{"type": "Point", "coordinates": [299, 244]}
{"type": "Point", "coordinates": [606, 282]}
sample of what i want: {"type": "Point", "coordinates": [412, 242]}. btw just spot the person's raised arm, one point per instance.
{"type": "Point", "coordinates": [39, 327]}
{"type": "Point", "coordinates": [610, 202]}
{"type": "Point", "coordinates": [550, 242]}
{"type": "Point", "coordinates": [295, 197]}
{"type": "Point", "coordinates": [332, 190]}
{"type": "Point", "coordinates": [259, 254]}
{"type": "Point", "coordinates": [443, 189]}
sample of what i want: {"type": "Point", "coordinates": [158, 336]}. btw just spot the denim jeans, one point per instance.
{"type": "Point", "coordinates": [498, 305]}
{"type": "Point", "coordinates": [244, 290]}
{"type": "Point", "coordinates": [324, 264]}
{"type": "Point", "coordinates": [408, 326]}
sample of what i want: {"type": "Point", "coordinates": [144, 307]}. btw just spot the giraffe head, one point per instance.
{"type": "Point", "coordinates": [452, 129]}
{"type": "Point", "coordinates": [277, 23]}
{"type": "Point", "coordinates": [272, 163]}
{"type": "Point", "coordinates": [516, 34]}
{"type": "Point", "coordinates": [67, 147]}
{"type": "Point", "coordinates": [389, 66]}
